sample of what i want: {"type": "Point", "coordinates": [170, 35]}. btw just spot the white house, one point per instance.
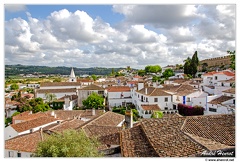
{"type": "Point", "coordinates": [84, 92]}
{"type": "Point", "coordinates": [23, 146]}
{"type": "Point", "coordinates": [70, 101]}
{"type": "Point", "coordinates": [230, 92]}
{"type": "Point", "coordinates": [29, 126]}
{"type": "Point", "coordinates": [151, 99]}
{"type": "Point", "coordinates": [118, 96]}
{"type": "Point", "coordinates": [212, 78]}
{"type": "Point", "coordinates": [58, 92]}
{"type": "Point", "coordinates": [221, 105]}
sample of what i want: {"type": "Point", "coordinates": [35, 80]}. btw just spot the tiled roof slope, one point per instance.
{"type": "Point", "coordinates": [176, 136]}
{"type": "Point", "coordinates": [92, 87]}
{"type": "Point", "coordinates": [27, 125]}
{"type": "Point", "coordinates": [151, 107]}
{"type": "Point", "coordinates": [134, 143]}
{"type": "Point", "coordinates": [27, 115]}
{"type": "Point", "coordinates": [70, 114]}
{"type": "Point", "coordinates": [71, 124]}
{"type": "Point", "coordinates": [24, 143]}
{"type": "Point", "coordinates": [151, 91]}
{"type": "Point", "coordinates": [108, 119]}
{"type": "Point", "coordinates": [220, 99]}
{"type": "Point", "coordinates": [219, 128]}
{"type": "Point", "coordinates": [51, 84]}
{"type": "Point", "coordinates": [118, 89]}
{"type": "Point", "coordinates": [231, 90]}
{"type": "Point", "coordinates": [98, 131]}
{"type": "Point", "coordinates": [56, 90]}
{"type": "Point", "coordinates": [168, 140]}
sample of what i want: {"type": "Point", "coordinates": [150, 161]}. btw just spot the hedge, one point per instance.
{"type": "Point", "coordinates": [187, 110]}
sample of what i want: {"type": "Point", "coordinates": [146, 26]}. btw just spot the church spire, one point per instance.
{"type": "Point", "coordinates": [72, 77]}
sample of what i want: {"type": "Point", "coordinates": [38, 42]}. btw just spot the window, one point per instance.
{"type": "Point", "coordinates": [155, 99]}
{"type": "Point", "coordinates": [216, 78]}
{"type": "Point", "coordinates": [188, 99]}
{"type": "Point", "coordinates": [234, 102]}
{"type": "Point", "coordinates": [165, 108]}
{"type": "Point", "coordinates": [177, 98]}
{"type": "Point", "coordinates": [174, 107]}
{"type": "Point", "coordinates": [212, 110]}
{"type": "Point", "coordinates": [10, 153]}
{"type": "Point", "coordinates": [166, 99]}
{"type": "Point", "coordinates": [146, 99]}
{"type": "Point", "coordinates": [18, 154]}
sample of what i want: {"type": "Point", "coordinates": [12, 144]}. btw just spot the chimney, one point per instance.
{"type": "Point", "coordinates": [41, 130]}
{"type": "Point", "coordinates": [129, 119]}
{"type": "Point", "coordinates": [55, 115]}
{"type": "Point", "coordinates": [93, 112]}
{"type": "Point", "coordinates": [154, 84]}
{"type": "Point", "coordinates": [146, 90]}
{"type": "Point", "coordinates": [30, 112]}
{"type": "Point", "coordinates": [52, 113]}
{"type": "Point", "coordinates": [140, 86]}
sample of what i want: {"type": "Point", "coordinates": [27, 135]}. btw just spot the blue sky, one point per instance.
{"type": "Point", "coordinates": [117, 35]}
{"type": "Point", "coordinates": [42, 11]}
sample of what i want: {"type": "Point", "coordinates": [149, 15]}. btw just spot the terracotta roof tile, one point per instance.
{"type": "Point", "coordinates": [220, 99]}
{"type": "Point", "coordinates": [25, 143]}
{"type": "Point", "coordinates": [27, 125]}
{"type": "Point", "coordinates": [231, 90]}
{"type": "Point", "coordinates": [71, 124]}
{"type": "Point", "coordinates": [176, 136]}
{"type": "Point", "coordinates": [108, 119]}
{"type": "Point", "coordinates": [92, 87]}
{"type": "Point", "coordinates": [151, 107]}
{"type": "Point", "coordinates": [134, 143]}
{"type": "Point", "coordinates": [70, 114]}
{"type": "Point", "coordinates": [56, 90]}
{"type": "Point", "coordinates": [219, 128]}
{"type": "Point", "coordinates": [118, 89]}
{"type": "Point", "coordinates": [53, 84]}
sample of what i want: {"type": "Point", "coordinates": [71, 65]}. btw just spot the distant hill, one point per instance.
{"type": "Point", "coordinates": [11, 70]}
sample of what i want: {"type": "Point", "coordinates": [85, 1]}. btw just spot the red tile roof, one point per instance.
{"type": "Point", "coordinates": [231, 90]}
{"type": "Point", "coordinates": [228, 73]}
{"type": "Point", "coordinates": [51, 84]}
{"type": "Point", "coordinates": [220, 99]}
{"type": "Point", "coordinates": [27, 125]}
{"type": "Point", "coordinates": [151, 107]}
{"type": "Point", "coordinates": [176, 136]}
{"type": "Point", "coordinates": [25, 143]}
{"type": "Point", "coordinates": [27, 115]}
{"type": "Point", "coordinates": [56, 90]}
{"type": "Point", "coordinates": [118, 89]}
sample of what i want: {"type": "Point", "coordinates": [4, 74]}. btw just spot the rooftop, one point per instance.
{"type": "Point", "coordinates": [151, 107]}
{"type": "Point", "coordinates": [118, 89]}
{"type": "Point", "coordinates": [220, 99]}
{"type": "Point", "coordinates": [51, 84]}
{"type": "Point", "coordinates": [177, 136]}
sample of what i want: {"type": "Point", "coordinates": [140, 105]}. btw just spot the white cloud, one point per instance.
{"type": "Point", "coordinates": [14, 7]}
{"type": "Point", "coordinates": [149, 35]}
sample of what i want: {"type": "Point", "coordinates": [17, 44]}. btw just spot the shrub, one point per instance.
{"type": "Point", "coordinates": [187, 110]}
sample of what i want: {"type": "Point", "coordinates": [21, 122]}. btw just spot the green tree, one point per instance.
{"type": "Point", "coordinates": [94, 77]}
{"type": "Point", "coordinates": [57, 80]}
{"type": "Point", "coordinates": [168, 73]}
{"type": "Point", "coordinates": [155, 78]}
{"type": "Point", "coordinates": [69, 143]}
{"type": "Point", "coordinates": [153, 69]}
{"type": "Point", "coordinates": [14, 86]}
{"type": "Point", "coordinates": [232, 57]}
{"type": "Point", "coordinates": [194, 64]}
{"type": "Point", "coordinates": [204, 67]}
{"type": "Point", "coordinates": [141, 72]}
{"type": "Point", "coordinates": [157, 114]}
{"type": "Point", "coordinates": [93, 101]}
{"type": "Point", "coordinates": [187, 66]}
